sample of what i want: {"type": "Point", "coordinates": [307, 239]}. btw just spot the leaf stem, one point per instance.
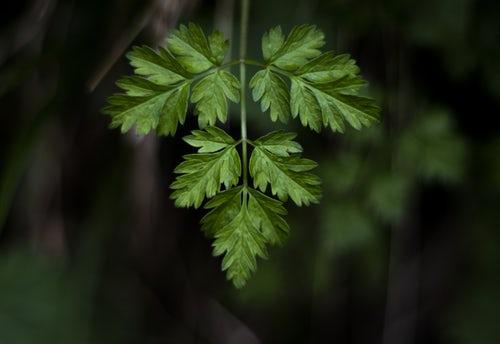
{"type": "Point", "coordinates": [213, 70]}
{"type": "Point", "coordinates": [254, 63]}
{"type": "Point", "coordinates": [245, 5]}
{"type": "Point", "coordinates": [251, 62]}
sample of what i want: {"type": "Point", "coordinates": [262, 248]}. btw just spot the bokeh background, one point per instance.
{"type": "Point", "coordinates": [404, 247]}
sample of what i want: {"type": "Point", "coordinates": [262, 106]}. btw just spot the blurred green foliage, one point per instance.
{"type": "Point", "coordinates": [40, 303]}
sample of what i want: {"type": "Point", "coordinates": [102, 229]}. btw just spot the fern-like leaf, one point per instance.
{"type": "Point", "coordinates": [324, 87]}
{"type": "Point", "coordinates": [243, 221]}
{"type": "Point", "coordinates": [202, 174]}
{"type": "Point", "coordinates": [210, 96]}
{"type": "Point", "coordinates": [157, 96]}
{"type": "Point", "coordinates": [288, 176]}
{"type": "Point", "coordinates": [194, 51]}
{"type": "Point", "coordinates": [301, 45]}
{"type": "Point", "coordinates": [272, 91]}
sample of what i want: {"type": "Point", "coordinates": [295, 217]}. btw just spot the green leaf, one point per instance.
{"type": "Point", "coordinates": [159, 67]}
{"type": "Point", "coordinates": [333, 103]}
{"type": "Point", "coordinates": [267, 214]}
{"type": "Point", "coordinates": [305, 105]}
{"type": "Point", "coordinates": [241, 242]}
{"type": "Point", "coordinates": [388, 196]}
{"type": "Point", "coordinates": [324, 87]}
{"type": "Point", "coordinates": [174, 111]}
{"type": "Point", "coordinates": [301, 45]}
{"type": "Point", "coordinates": [432, 149]}
{"type": "Point", "coordinates": [148, 106]}
{"type": "Point", "coordinates": [157, 96]}
{"type": "Point", "coordinates": [287, 175]}
{"type": "Point", "coordinates": [272, 91]}
{"type": "Point", "coordinates": [345, 227]}
{"type": "Point", "coordinates": [209, 140]}
{"type": "Point", "coordinates": [242, 221]}
{"type": "Point", "coordinates": [218, 46]}
{"type": "Point", "coordinates": [328, 67]}
{"type": "Point", "coordinates": [279, 143]}
{"type": "Point", "coordinates": [225, 206]}
{"type": "Point", "coordinates": [210, 96]}
{"type": "Point", "coordinates": [201, 175]}
{"type": "Point", "coordinates": [272, 42]}
{"type": "Point", "coordinates": [194, 51]}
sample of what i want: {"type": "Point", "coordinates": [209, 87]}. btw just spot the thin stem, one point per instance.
{"type": "Point", "coordinates": [214, 69]}
{"type": "Point", "coordinates": [245, 5]}
{"type": "Point", "coordinates": [251, 62]}
{"type": "Point", "coordinates": [254, 63]}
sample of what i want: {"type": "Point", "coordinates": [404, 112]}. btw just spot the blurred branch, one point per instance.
{"type": "Point", "coordinates": [32, 23]}
{"type": "Point", "coordinates": [160, 13]}
{"type": "Point", "coordinates": [17, 159]}
{"type": "Point", "coordinates": [121, 43]}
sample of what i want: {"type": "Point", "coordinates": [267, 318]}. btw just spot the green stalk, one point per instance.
{"type": "Point", "coordinates": [245, 4]}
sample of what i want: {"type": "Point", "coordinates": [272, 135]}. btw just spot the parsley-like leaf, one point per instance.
{"type": "Point", "coordinates": [279, 143]}
{"type": "Point", "coordinates": [159, 66]}
{"type": "Point", "coordinates": [157, 96]}
{"type": "Point", "coordinates": [330, 83]}
{"type": "Point", "coordinates": [328, 67]}
{"type": "Point", "coordinates": [267, 214]}
{"type": "Point", "coordinates": [272, 42]}
{"type": "Point", "coordinates": [301, 45]}
{"type": "Point", "coordinates": [304, 103]}
{"type": "Point", "coordinates": [209, 140]}
{"type": "Point", "coordinates": [202, 174]}
{"type": "Point", "coordinates": [323, 91]}
{"type": "Point", "coordinates": [272, 91]}
{"type": "Point", "coordinates": [210, 96]}
{"type": "Point", "coordinates": [287, 175]}
{"type": "Point", "coordinates": [194, 51]}
{"type": "Point", "coordinates": [242, 221]}
{"type": "Point", "coordinates": [332, 103]}
{"type": "Point", "coordinates": [148, 106]}
{"type": "Point", "coordinates": [324, 87]}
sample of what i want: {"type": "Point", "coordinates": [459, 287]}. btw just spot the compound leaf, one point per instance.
{"type": "Point", "coordinates": [157, 96]}
{"type": "Point", "coordinates": [324, 87]}
{"type": "Point", "coordinates": [324, 92]}
{"type": "Point", "coordinates": [272, 91]}
{"type": "Point", "coordinates": [211, 94]}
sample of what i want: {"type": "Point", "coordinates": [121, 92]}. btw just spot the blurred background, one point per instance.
{"type": "Point", "coordinates": [404, 247]}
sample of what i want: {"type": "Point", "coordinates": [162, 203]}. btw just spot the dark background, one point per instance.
{"type": "Point", "coordinates": [404, 247]}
